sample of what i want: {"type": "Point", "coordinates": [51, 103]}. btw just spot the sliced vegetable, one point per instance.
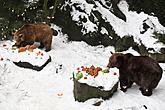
{"type": "Point", "coordinates": [22, 49]}
{"type": "Point", "coordinates": [79, 75]}
{"type": "Point", "coordinates": [106, 70]}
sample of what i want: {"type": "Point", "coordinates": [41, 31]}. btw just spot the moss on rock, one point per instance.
{"type": "Point", "coordinates": [83, 92]}
{"type": "Point", "coordinates": [124, 43]}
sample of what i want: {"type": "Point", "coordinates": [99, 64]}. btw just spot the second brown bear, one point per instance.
{"type": "Point", "coordinates": [142, 70]}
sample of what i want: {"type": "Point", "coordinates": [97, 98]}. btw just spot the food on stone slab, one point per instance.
{"type": "Point", "coordinates": [92, 70]}
{"type": "Point", "coordinates": [22, 49]}
{"type": "Point", "coordinates": [95, 82]}
{"type": "Point", "coordinates": [79, 75]}
{"type": "Point", "coordinates": [27, 47]}
{"type": "Point", "coordinates": [30, 54]}
{"type": "Point", "coordinates": [96, 75]}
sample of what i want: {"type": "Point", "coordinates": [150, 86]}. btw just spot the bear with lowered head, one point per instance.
{"type": "Point", "coordinates": [142, 70]}
{"type": "Point", "coordinates": [37, 32]}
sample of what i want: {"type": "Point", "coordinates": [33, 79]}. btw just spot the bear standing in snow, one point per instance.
{"type": "Point", "coordinates": [142, 70]}
{"type": "Point", "coordinates": [37, 32]}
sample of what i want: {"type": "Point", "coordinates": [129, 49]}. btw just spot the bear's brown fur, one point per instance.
{"type": "Point", "coordinates": [37, 32]}
{"type": "Point", "coordinates": [142, 70]}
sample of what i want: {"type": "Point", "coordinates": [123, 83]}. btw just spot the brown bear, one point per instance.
{"type": "Point", "coordinates": [142, 70]}
{"type": "Point", "coordinates": [37, 32]}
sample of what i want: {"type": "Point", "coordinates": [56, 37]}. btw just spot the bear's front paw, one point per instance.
{"type": "Point", "coordinates": [123, 89]}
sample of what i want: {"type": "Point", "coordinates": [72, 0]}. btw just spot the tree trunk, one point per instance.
{"type": "Point", "coordinates": [54, 8]}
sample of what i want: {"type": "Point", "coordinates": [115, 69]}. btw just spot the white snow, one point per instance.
{"type": "Point", "coordinates": [52, 87]}
{"type": "Point", "coordinates": [105, 80]}
{"type": "Point", "coordinates": [104, 31]}
{"type": "Point", "coordinates": [32, 1]}
{"type": "Point", "coordinates": [26, 89]}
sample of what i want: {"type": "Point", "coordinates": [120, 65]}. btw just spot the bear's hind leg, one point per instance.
{"type": "Point", "coordinates": [145, 92]}
{"type": "Point", "coordinates": [47, 45]}
{"type": "Point", "coordinates": [48, 48]}
{"type": "Point", "coordinates": [41, 45]}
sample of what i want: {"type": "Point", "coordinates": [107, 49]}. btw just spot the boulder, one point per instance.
{"type": "Point", "coordinates": [83, 92]}
{"type": "Point", "coordinates": [94, 82]}
{"type": "Point", "coordinates": [31, 66]}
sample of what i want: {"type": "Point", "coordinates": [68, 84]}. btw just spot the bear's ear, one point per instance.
{"type": "Point", "coordinates": [120, 60]}
{"type": "Point", "coordinates": [111, 52]}
{"type": "Point", "coordinates": [13, 33]}
{"type": "Point", "coordinates": [128, 55]}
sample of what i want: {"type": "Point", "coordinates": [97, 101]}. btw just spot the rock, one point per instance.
{"type": "Point", "coordinates": [112, 6]}
{"type": "Point", "coordinates": [117, 12]}
{"type": "Point", "coordinates": [125, 43]}
{"type": "Point", "coordinates": [74, 28]}
{"type": "Point", "coordinates": [162, 50]}
{"type": "Point", "coordinates": [83, 92]}
{"type": "Point", "coordinates": [31, 66]}
{"type": "Point", "coordinates": [90, 1]}
{"type": "Point", "coordinates": [159, 57]}
{"type": "Point", "coordinates": [68, 26]}
{"type": "Point", "coordinates": [151, 7]}
{"type": "Point", "coordinates": [145, 28]}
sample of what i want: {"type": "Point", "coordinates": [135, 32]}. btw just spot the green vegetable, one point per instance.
{"type": "Point", "coordinates": [106, 70]}
{"type": "Point", "coordinates": [79, 76]}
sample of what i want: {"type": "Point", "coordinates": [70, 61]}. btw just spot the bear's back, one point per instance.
{"type": "Point", "coordinates": [146, 63]}
{"type": "Point", "coordinates": [39, 30]}
{"type": "Point", "coordinates": [35, 27]}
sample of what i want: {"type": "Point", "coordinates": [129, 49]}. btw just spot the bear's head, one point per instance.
{"type": "Point", "coordinates": [18, 37]}
{"type": "Point", "coordinates": [115, 60]}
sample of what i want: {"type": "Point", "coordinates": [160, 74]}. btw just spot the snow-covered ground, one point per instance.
{"type": "Point", "coordinates": [132, 27]}
{"type": "Point", "coordinates": [52, 88]}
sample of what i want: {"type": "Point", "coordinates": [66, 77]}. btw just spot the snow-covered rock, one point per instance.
{"type": "Point", "coordinates": [28, 59]}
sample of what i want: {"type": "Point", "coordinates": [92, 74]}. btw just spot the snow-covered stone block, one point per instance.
{"type": "Point", "coordinates": [94, 82]}
{"type": "Point", "coordinates": [34, 58]}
